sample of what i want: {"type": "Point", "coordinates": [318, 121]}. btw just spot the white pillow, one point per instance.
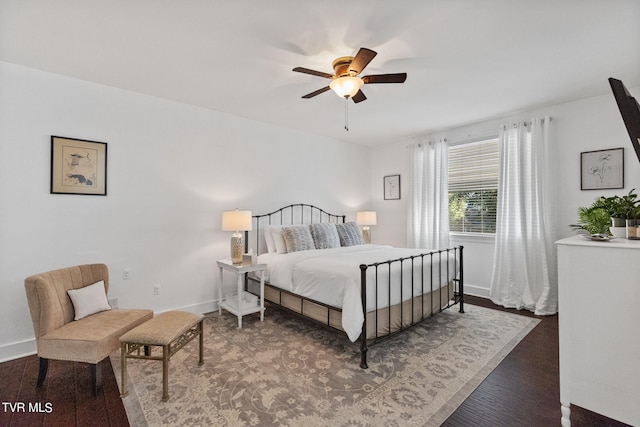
{"type": "Point", "coordinates": [278, 240]}
{"type": "Point", "coordinates": [268, 239]}
{"type": "Point", "coordinates": [89, 300]}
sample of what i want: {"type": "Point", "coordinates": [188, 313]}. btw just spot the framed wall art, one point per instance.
{"type": "Point", "coordinates": [391, 187]}
{"type": "Point", "coordinates": [602, 169]}
{"type": "Point", "coordinates": [78, 166]}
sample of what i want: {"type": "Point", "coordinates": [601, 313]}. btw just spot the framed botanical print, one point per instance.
{"type": "Point", "coordinates": [602, 169]}
{"type": "Point", "coordinates": [391, 185]}
{"type": "Point", "coordinates": [78, 166]}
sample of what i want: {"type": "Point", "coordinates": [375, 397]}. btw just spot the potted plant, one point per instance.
{"type": "Point", "coordinates": [620, 208]}
{"type": "Point", "coordinates": [633, 224]}
{"type": "Point", "coordinates": [593, 220]}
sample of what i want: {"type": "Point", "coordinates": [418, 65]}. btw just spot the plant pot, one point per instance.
{"type": "Point", "coordinates": [619, 232]}
{"type": "Point", "coordinates": [633, 229]}
{"type": "Point", "coordinates": [618, 222]}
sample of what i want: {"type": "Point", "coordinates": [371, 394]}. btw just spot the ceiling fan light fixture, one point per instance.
{"type": "Point", "coordinates": [346, 86]}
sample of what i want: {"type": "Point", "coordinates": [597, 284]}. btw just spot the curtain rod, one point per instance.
{"type": "Point", "coordinates": [430, 141]}
{"type": "Point", "coordinates": [527, 123]}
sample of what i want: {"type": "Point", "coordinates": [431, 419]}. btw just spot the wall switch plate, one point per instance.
{"type": "Point", "coordinates": [156, 289]}
{"type": "Point", "coordinates": [126, 274]}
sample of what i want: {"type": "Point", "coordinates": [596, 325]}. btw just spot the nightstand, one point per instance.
{"type": "Point", "coordinates": [242, 303]}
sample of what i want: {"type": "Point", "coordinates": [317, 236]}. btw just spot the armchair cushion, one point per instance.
{"type": "Point", "coordinates": [92, 338]}
{"type": "Point", "coordinates": [89, 300]}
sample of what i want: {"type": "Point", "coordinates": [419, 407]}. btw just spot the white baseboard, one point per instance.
{"type": "Point", "coordinates": [200, 308]}
{"type": "Point", "coordinates": [27, 347]}
{"type": "Point", "coordinates": [476, 291]}
{"type": "Point", "coordinates": [17, 350]}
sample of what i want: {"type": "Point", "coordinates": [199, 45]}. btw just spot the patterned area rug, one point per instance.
{"type": "Point", "coordinates": [291, 372]}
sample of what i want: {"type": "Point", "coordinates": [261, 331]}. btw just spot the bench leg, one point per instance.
{"type": "Point", "coordinates": [201, 341]}
{"type": "Point", "coordinates": [165, 373]}
{"type": "Point", "coordinates": [123, 370]}
{"type": "Point", "coordinates": [42, 371]}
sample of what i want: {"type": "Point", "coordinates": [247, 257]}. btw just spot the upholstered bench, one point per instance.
{"type": "Point", "coordinates": [171, 331]}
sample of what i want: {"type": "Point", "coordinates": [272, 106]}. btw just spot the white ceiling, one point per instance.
{"type": "Point", "coordinates": [466, 60]}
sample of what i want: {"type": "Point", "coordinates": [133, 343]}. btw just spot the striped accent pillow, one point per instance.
{"type": "Point", "coordinates": [349, 234]}
{"type": "Point", "coordinates": [325, 235]}
{"type": "Point", "coordinates": [298, 238]}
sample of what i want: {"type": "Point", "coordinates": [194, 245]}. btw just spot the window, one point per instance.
{"type": "Point", "coordinates": [473, 187]}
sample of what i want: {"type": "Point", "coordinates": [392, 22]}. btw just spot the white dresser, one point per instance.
{"type": "Point", "coordinates": [599, 327]}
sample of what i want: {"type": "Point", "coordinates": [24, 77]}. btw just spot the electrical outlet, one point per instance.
{"type": "Point", "coordinates": [156, 289]}
{"type": "Point", "coordinates": [126, 274]}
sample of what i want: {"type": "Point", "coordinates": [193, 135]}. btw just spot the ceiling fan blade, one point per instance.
{"type": "Point", "coordinates": [358, 97]}
{"type": "Point", "coordinates": [313, 72]}
{"type": "Point", "coordinates": [362, 59]}
{"type": "Point", "coordinates": [317, 92]}
{"type": "Point", "coordinates": [385, 78]}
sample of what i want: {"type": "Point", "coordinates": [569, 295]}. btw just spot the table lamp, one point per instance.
{"type": "Point", "coordinates": [366, 218]}
{"type": "Point", "coordinates": [237, 221]}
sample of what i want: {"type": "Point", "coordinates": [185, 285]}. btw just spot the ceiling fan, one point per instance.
{"type": "Point", "coordinates": [345, 82]}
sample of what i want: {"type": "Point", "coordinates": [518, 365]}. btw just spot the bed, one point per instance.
{"type": "Point", "coordinates": [319, 267]}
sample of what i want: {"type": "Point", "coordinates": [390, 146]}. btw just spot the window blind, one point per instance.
{"type": "Point", "coordinates": [473, 186]}
{"type": "Point", "coordinates": [474, 166]}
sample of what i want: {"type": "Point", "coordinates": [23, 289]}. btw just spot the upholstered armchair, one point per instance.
{"type": "Point", "coordinates": [94, 335]}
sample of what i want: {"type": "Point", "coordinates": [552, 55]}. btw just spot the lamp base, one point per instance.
{"type": "Point", "coordinates": [366, 235]}
{"type": "Point", "coordinates": [237, 248]}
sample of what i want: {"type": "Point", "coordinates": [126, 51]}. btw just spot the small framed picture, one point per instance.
{"type": "Point", "coordinates": [602, 169]}
{"type": "Point", "coordinates": [78, 166]}
{"type": "Point", "coordinates": [391, 187]}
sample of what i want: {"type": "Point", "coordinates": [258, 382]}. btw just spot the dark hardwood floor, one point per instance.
{"type": "Point", "coordinates": [522, 391]}
{"type": "Point", "coordinates": [65, 399]}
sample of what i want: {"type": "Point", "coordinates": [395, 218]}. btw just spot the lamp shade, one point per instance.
{"type": "Point", "coordinates": [236, 221]}
{"type": "Point", "coordinates": [366, 218]}
{"type": "Point", "coordinates": [346, 86]}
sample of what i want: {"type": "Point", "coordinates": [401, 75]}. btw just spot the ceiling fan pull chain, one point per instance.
{"type": "Point", "coordinates": [346, 113]}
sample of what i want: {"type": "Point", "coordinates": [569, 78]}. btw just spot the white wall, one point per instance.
{"type": "Point", "coordinates": [584, 125]}
{"type": "Point", "coordinates": [172, 170]}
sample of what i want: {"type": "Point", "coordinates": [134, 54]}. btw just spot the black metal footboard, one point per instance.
{"type": "Point", "coordinates": [429, 268]}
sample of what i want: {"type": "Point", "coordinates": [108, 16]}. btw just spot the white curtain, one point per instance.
{"type": "Point", "coordinates": [525, 268]}
{"type": "Point", "coordinates": [428, 210]}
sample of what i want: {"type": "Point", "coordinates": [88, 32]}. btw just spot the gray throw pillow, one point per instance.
{"type": "Point", "coordinates": [298, 238]}
{"type": "Point", "coordinates": [349, 234]}
{"type": "Point", "coordinates": [325, 235]}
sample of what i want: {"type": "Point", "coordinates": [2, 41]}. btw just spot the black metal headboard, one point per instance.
{"type": "Point", "coordinates": [299, 213]}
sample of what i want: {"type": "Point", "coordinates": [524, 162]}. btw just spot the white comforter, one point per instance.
{"type": "Point", "coordinates": [332, 276]}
